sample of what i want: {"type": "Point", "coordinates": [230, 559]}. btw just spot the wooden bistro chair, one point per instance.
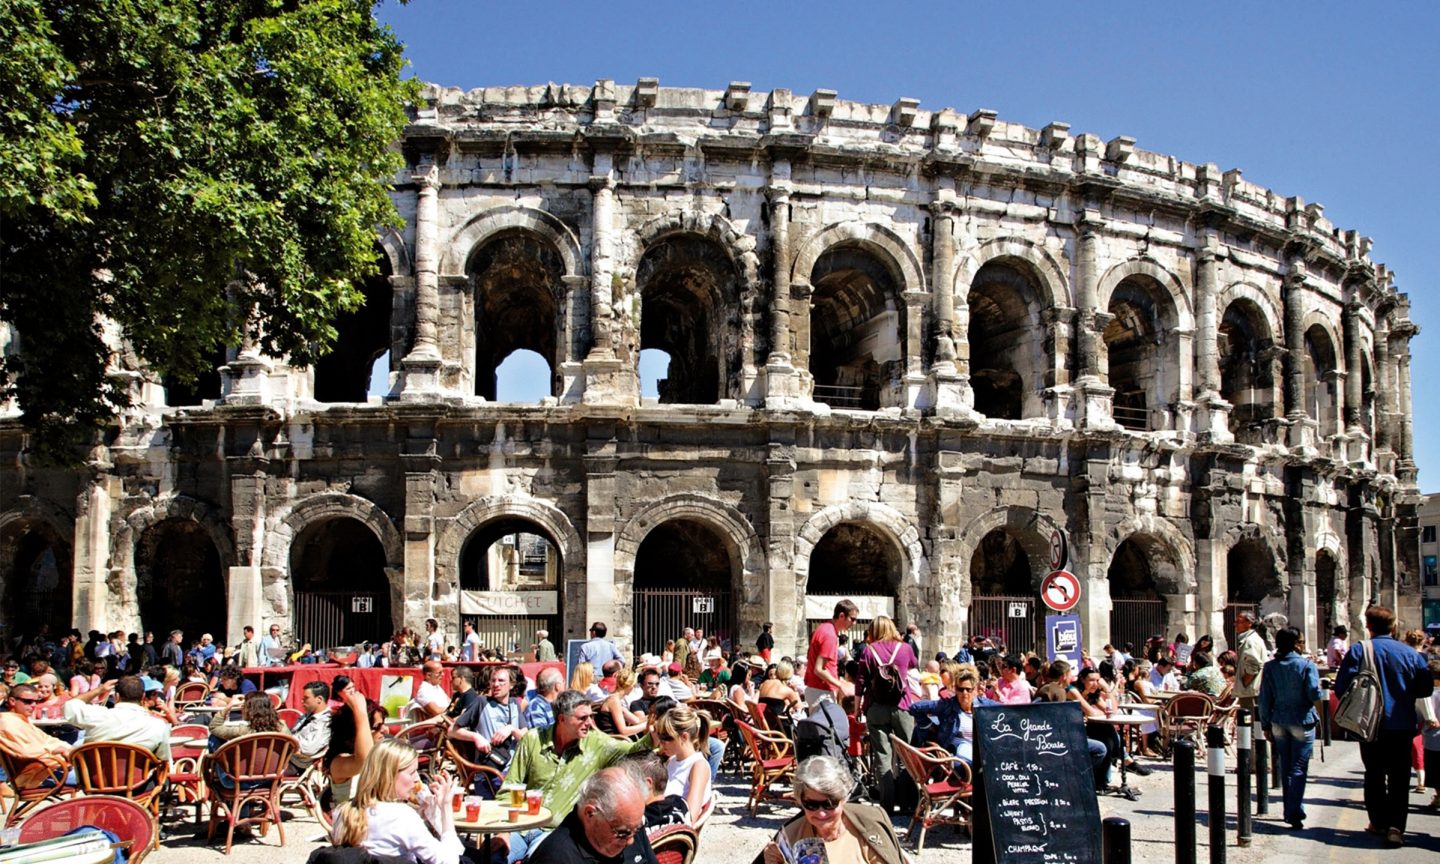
{"type": "Point", "coordinates": [27, 800]}
{"type": "Point", "coordinates": [133, 824]}
{"type": "Point", "coordinates": [724, 717]}
{"type": "Point", "coordinates": [428, 739]}
{"type": "Point", "coordinates": [1186, 716]}
{"type": "Point", "coordinates": [944, 784]}
{"type": "Point", "coordinates": [190, 694]}
{"type": "Point", "coordinates": [772, 760]}
{"type": "Point", "coordinates": [459, 754]}
{"type": "Point", "coordinates": [123, 770]}
{"type": "Point", "coordinates": [675, 844]}
{"type": "Point", "coordinates": [186, 782]}
{"type": "Point", "coordinates": [290, 717]}
{"type": "Point", "coordinates": [247, 771]}
{"type": "Point", "coordinates": [309, 786]}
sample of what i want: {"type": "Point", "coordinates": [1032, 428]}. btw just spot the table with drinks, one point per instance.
{"type": "Point", "coordinates": [515, 808]}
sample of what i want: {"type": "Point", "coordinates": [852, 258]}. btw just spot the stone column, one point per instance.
{"type": "Point", "coordinates": [609, 378]}
{"type": "Point", "coordinates": [951, 395]}
{"type": "Point", "coordinates": [1096, 395]}
{"type": "Point", "coordinates": [602, 594]}
{"type": "Point", "coordinates": [1212, 419]}
{"type": "Point", "coordinates": [781, 601]}
{"type": "Point", "coordinates": [781, 386]}
{"type": "Point", "coordinates": [1354, 397]}
{"type": "Point", "coordinates": [421, 367]}
{"type": "Point", "coordinates": [914, 334]}
{"type": "Point", "coordinates": [1406, 424]}
{"type": "Point", "coordinates": [246, 602]}
{"type": "Point", "coordinates": [1384, 387]}
{"type": "Point", "coordinates": [1302, 428]}
{"type": "Point", "coordinates": [90, 563]}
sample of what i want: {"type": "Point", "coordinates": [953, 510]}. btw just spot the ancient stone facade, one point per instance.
{"type": "Point", "coordinates": [908, 349]}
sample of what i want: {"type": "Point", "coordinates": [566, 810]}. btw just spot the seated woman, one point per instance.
{"type": "Point", "coordinates": [244, 715]}
{"type": "Point", "coordinates": [393, 814]}
{"type": "Point", "coordinates": [850, 832]}
{"type": "Point", "coordinates": [613, 717]}
{"type": "Point", "coordinates": [684, 735]}
{"type": "Point", "coordinates": [953, 717]}
{"type": "Point", "coordinates": [776, 694]}
{"type": "Point", "coordinates": [1142, 689]}
{"type": "Point", "coordinates": [357, 725]}
{"type": "Point", "coordinates": [583, 679]}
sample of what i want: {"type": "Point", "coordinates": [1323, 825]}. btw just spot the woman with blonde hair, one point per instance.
{"type": "Point", "coordinates": [885, 667]}
{"type": "Point", "coordinates": [612, 717]}
{"type": "Point", "coordinates": [683, 734]}
{"type": "Point", "coordinates": [583, 679]}
{"type": "Point", "coordinates": [392, 813]}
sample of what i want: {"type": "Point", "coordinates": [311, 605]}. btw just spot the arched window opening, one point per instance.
{"type": "Point", "coordinates": [857, 356]}
{"type": "Point", "coordinates": [1132, 343]}
{"type": "Point", "coordinates": [1248, 360]}
{"type": "Point", "coordinates": [510, 573]}
{"type": "Point", "coordinates": [1321, 390]}
{"type": "Point", "coordinates": [684, 577]}
{"type": "Point", "coordinates": [853, 560]}
{"type": "Point", "coordinates": [342, 590]}
{"type": "Point", "coordinates": [524, 376]}
{"type": "Point", "coordinates": [1252, 582]}
{"type": "Point", "coordinates": [1328, 612]}
{"type": "Point", "coordinates": [179, 580]}
{"type": "Point", "coordinates": [1002, 583]}
{"type": "Point", "coordinates": [1142, 575]}
{"type": "Point", "coordinates": [361, 336]}
{"type": "Point", "coordinates": [35, 566]}
{"type": "Point", "coordinates": [654, 372]}
{"type": "Point", "coordinates": [1007, 347]}
{"type": "Point", "coordinates": [204, 388]}
{"type": "Point", "coordinates": [689, 310]}
{"type": "Point", "coordinates": [518, 290]}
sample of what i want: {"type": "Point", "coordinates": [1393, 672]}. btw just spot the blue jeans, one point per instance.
{"type": "Point", "coordinates": [1293, 746]}
{"type": "Point", "coordinates": [715, 756]}
{"type": "Point", "coordinates": [521, 841]}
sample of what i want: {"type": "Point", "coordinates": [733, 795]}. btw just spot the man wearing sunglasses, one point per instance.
{"type": "Point", "coordinates": [38, 756]}
{"type": "Point", "coordinates": [606, 826]}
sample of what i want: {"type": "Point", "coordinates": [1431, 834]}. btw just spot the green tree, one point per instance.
{"type": "Point", "coordinates": [190, 170]}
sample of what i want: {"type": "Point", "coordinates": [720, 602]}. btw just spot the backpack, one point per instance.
{"type": "Point", "coordinates": [820, 734]}
{"type": "Point", "coordinates": [1363, 705]}
{"type": "Point", "coordinates": [887, 687]}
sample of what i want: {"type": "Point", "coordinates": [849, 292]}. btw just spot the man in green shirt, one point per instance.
{"type": "Point", "coordinates": [716, 676]}
{"type": "Point", "coordinates": [559, 758]}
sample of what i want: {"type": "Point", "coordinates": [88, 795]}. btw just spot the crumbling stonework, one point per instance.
{"type": "Point", "coordinates": [907, 348]}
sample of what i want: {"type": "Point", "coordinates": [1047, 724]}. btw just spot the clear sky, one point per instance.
{"type": "Point", "coordinates": [1336, 103]}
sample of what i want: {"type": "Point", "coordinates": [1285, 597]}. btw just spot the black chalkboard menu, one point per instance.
{"type": "Point", "coordinates": [1034, 794]}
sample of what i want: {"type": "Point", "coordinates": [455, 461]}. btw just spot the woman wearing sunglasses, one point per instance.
{"type": "Point", "coordinates": [851, 832]}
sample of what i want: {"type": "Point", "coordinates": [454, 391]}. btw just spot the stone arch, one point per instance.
{"type": "Point", "coordinates": [1048, 273]}
{"type": "Point", "coordinates": [396, 253]}
{"type": "Point", "coordinates": [135, 523]}
{"type": "Point", "coordinates": [1267, 304]}
{"type": "Point", "coordinates": [451, 535]}
{"type": "Point", "coordinates": [33, 507]}
{"type": "Point", "coordinates": [887, 519]}
{"type": "Point", "coordinates": [891, 247]}
{"type": "Point", "coordinates": [1148, 579]}
{"type": "Point", "coordinates": [512, 217]}
{"type": "Point", "coordinates": [329, 505]}
{"type": "Point", "coordinates": [737, 244]}
{"type": "Point", "coordinates": [1030, 528]}
{"type": "Point", "coordinates": [1164, 531]}
{"type": "Point", "coordinates": [1266, 596]}
{"type": "Point", "coordinates": [56, 530]}
{"type": "Point", "coordinates": [1164, 277]}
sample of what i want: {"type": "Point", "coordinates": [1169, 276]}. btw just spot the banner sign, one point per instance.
{"type": "Point", "coordinates": [821, 607]}
{"type": "Point", "coordinates": [511, 603]}
{"type": "Point", "coordinates": [1062, 638]}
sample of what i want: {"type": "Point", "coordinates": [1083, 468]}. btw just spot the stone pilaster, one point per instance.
{"type": "Point", "coordinates": [609, 378]}
{"type": "Point", "coordinates": [602, 594]}
{"type": "Point", "coordinates": [421, 367]}
{"type": "Point", "coordinates": [781, 384]}
{"type": "Point", "coordinates": [1212, 412]}
{"type": "Point", "coordinates": [246, 602]}
{"type": "Point", "coordinates": [915, 302]}
{"type": "Point", "coordinates": [950, 394]}
{"type": "Point", "coordinates": [781, 601]}
{"type": "Point", "coordinates": [94, 507]}
{"type": "Point", "coordinates": [1095, 396]}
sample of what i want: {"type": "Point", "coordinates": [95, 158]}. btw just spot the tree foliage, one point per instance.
{"type": "Point", "coordinates": [182, 173]}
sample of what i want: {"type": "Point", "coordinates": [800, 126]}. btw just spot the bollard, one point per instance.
{"type": "Point", "coordinates": [1115, 839]}
{"type": "Point", "coordinates": [1215, 767]}
{"type": "Point", "coordinates": [1262, 770]}
{"type": "Point", "coordinates": [1183, 752]}
{"type": "Point", "coordinates": [1324, 715]}
{"type": "Point", "coordinates": [1242, 777]}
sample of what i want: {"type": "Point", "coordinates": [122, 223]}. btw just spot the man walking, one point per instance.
{"type": "Point", "coordinates": [249, 649]}
{"type": "Point", "coordinates": [824, 676]}
{"type": "Point", "coordinates": [599, 650]}
{"type": "Point", "coordinates": [1251, 652]}
{"type": "Point", "coordinates": [271, 651]}
{"type": "Point", "coordinates": [1404, 677]}
{"type": "Point", "coordinates": [172, 654]}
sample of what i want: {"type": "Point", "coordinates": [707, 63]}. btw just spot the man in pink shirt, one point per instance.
{"type": "Point", "coordinates": [1012, 688]}
{"type": "Point", "coordinates": [824, 676]}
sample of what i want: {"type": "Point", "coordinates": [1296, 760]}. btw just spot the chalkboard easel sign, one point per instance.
{"type": "Point", "coordinates": [1034, 795]}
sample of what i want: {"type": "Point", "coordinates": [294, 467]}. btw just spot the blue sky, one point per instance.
{"type": "Point", "coordinates": [1333, 102]}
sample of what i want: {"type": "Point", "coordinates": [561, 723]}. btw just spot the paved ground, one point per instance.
{"type": "Point", "coordinates": [1335, 831]}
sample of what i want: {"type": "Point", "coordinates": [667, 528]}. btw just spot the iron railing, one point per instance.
{"type": "Point", "coordinates": [511, 634]}
{"type": "Point", "coordinates": [662, 614]}
{"type": "Point", "coordinates": [837, 396]}
{"type": "Point", "coordinates": [327, 619]}
{"type": "Point", "coordinates": [1134, 419]}
{"type": "Point", "coordinates": [1135, 620]}
{"type": "Point", "coordinates": [991, 616]}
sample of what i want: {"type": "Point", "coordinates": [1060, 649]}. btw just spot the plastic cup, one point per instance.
{"type": "Point", "coordinates": [513, 814]}
{"type": "Point", "coordinates": [513, 793]}
{"type": "Point", "coordinates": [457, 802]}
{"type": "Point", "coordinates": [472, 810]}
{"type": "Point", "coordinates": [533, 799]}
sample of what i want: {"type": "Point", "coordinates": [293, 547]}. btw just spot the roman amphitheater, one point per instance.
{"type": "Point", "coordinates": [916, 357]}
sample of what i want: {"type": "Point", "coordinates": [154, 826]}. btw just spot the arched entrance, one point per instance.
{"type": "Point", "coordinates": [362, 337]}
{"type": "Point", "coordinates": [1142, 572]}
{"type": "Point", "coordinates": [1141, 321]}
{"type": "Point", "coordinates": [1329, 612]}
{"type": "Point", "coordinates": [685, 571]}
{"type": "Point", "coordinates": [1251, 578]}
{"type": "Point", "coordinates": [342, 590]}
{"type": "Point", "coordinates": [179, 581]}
{"type": "Point", "coordinates": [1004, 604]}
{"type": "Point", "coordinates": [509, 584]}
{"type": "Point", "coordinates": [853, 561]}
{"type": "Point", "coordinates": [1321, 387]}
{"type": "Point", "coordinates": [857, 356]}
{"type": "Point", "coordinates": [35, 566]}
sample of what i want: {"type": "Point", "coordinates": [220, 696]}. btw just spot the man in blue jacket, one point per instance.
{"type": "Point", "coordinates": [1404, 677]}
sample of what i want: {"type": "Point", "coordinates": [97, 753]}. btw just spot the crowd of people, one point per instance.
{"type": "Point", "coordinates": [625, 749]}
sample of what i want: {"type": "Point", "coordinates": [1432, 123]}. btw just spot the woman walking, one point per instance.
{"type": "Point", "coordinates": [1289, 687]}
{"type": "Point", "coordinates": [884, 668]}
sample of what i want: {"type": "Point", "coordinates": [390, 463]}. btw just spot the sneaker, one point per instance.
{"type": "Point", "coordinates": [1394, 838]}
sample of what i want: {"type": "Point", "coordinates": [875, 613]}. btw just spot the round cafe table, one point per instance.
{"type": "Point", "coordinates": [494, 819]}
{"type": "Point", "coordinates": [1124, 722]}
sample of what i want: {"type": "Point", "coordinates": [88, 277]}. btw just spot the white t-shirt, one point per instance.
{"type": "Point", "coordinates": [679, 777]}
{"type": "Point", "coordinates": [435, 643]}
{"type": "Point", "coordinates": [397, 830]}
{"type": "Point", "coordinates": [472, 647]}
{"type": "Point", "coordinates": [429, 694]}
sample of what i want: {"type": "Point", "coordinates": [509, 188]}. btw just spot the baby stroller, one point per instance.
{"type": "Point", "coordinates": [826, 732]}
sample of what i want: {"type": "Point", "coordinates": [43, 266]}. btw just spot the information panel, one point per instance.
{"type": "Point", "coordinates": [1035, 795]}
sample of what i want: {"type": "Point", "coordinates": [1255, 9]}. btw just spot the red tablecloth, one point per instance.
{"type": "Point", "coordinates": [369, 681]}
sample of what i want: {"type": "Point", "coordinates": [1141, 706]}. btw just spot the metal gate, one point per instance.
{"type": "Point", "coordinates": [1016, 621]}
{"type": "Point", "coordinates": [1232, 610]}
{"type": "Point", "coordinates": [662, 614]}
{"type": "Point", "coordinates": [1134, 621]}
{"type": "Point", "coordinates": [511, 634]}
{"type": "Point", "coordinates": [327, 619]}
